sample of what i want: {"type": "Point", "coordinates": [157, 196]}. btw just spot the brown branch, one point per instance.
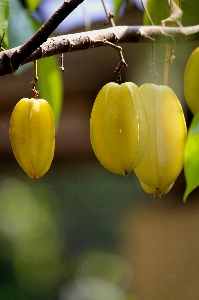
{"type": "Point", "coordinates": [85, 40]}
{"type": "Point", "coordinates": [14, 57]}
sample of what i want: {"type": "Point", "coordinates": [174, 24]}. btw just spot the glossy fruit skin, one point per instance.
{"type": "Point", "coordinates": [32, 135]}
{"type": "Point", "coordinates": [191, 83]}
{"type": "Point", "coordinates": [119, 127]}
{"type": "Point", "coordinates": [163, 159]}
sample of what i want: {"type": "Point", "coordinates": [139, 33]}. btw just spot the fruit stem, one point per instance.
{"type": "Point", "coordinates": [122, 62]}
{"type": "Point", "coordinates": [62, 62]}
{"type": "Point", "coordinates": [35, 79]}
{"type": "Point", "coordinates": [152, 64]}
{"type": "Point", "coordinates": [166, 64]}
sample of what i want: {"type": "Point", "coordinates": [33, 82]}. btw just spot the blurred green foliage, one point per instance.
{"type": "Point", "coordinates": [32, 4]}
{"type": "Point", "coordinates": [4, 15]}
{"type": "Point", "coordinates": [50, 85]}
{"type": "Point", "coordinates": [59, 235]}
{"type": "Point", "coordinates": [191, 158]}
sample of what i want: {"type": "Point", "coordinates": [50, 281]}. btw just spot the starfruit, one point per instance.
{"type": "Point", "coordinates": [163, 159]}
{"type": "Point", "coordinates": [32, 135]}
{"type": "Point", "coordinates": [119, 127]}
{"type": "Point", "coordinates": [191, 86]}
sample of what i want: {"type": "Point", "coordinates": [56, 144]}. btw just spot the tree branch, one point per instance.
{"type": "Point", "coordinates": [11, 59]}
{"type": "Point", "coordinates": [86, 40]}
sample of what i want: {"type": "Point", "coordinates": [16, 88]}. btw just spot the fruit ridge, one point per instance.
{"type": "Point", "coordinates": [32, 134]}
{"type": "Point", "coordinates": [119, 127]}
{"type": "Point", "coordinates": [163, 158]}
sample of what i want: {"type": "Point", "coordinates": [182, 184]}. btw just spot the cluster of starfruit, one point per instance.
{"type": "Point", "coordinates": [141, 129]}
{"type": "Point", "coordinates": [32, 135]}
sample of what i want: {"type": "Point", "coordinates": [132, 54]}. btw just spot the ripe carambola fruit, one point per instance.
{"type": "Point", "coordinates": [119, 127]}
{"type": "Point", "coordinates": [32, 134]}
{"type": "Point", "coordinates": [163, 158]}
{"type": "Point", "coordinates": [191, 85]}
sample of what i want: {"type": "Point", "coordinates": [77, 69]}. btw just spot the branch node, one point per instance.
{"type": "Point", "coordinates": [110, 17]}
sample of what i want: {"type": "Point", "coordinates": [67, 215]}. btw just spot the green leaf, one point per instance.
{"type": "Point", "coordinates": [191, 157]}
{"type": "Point", "coordinates": [190, 12]}
{"type": "Point", "coordinates": [50, 84]}
{"type": "Point", "coordinates": [20, 27]}
{"type": "Point", "coordinates": [117, 5]}
{"type": "Point", "coordinates": [158, 11]}
{"type": "Point", "coordinates": [32, 4]}
{"type": "Point", "coordinates": [4, 15]}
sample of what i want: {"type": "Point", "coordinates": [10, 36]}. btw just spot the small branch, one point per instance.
{"type": "Point", "coordinates": [109, 15]}
{"type": "Point", "coordinates": [83, 41]}
{"type": "Point", "coordinates": [122, 62]}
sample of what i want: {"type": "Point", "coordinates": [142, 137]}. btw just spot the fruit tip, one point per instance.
{"type": "Point", "coordinates": [126, 173]}
{"type": "Point", "coordinates": [157, 192]}
{"type": "Point", "coordinates": [34, 177]}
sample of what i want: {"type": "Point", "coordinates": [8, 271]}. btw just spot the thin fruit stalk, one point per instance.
{"type": "Point", "coordinates": [32, 136]}
{"type": "Point", "coordinates": [163, 159]}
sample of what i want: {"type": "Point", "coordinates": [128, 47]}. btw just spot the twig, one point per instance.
{"type": "Point", "coordinates": [109, 15]}
{"type": "Point", "coordinates": [122, 62]}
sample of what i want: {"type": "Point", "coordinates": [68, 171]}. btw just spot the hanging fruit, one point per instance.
{"type": "Point", "coordinates": [119, 127]}
{"type": "Point", "coordinates": [191, 86]}
{"type": "Point", "coordinates": [32, 136]}
{"type": "Point", "coordinates": [163, 158]}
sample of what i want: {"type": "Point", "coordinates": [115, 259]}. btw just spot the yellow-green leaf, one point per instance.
{"type": "Point", "coordinates": [158, 11]}
{"type": "Point", "coordinates": [50, 84]}
{"type": "Point", "coordinates": [20, 28]}
{"type": "Point", "coordinates": [32, 4]}
{"type": "Point", "coordinates": [4, 15]}
{"type": "Point", "coordinates": [191, 157]}
{"type": "Point", "coordinates": [117, 5]}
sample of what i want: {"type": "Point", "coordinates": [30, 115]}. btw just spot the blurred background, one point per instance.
{"type": "Point", "coordinates": [81, 232]}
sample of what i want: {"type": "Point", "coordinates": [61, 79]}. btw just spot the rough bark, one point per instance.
{"type": "Point", "coordinates": [11, 59]}
{"type": "Point", "coordinates": [40, 46]}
